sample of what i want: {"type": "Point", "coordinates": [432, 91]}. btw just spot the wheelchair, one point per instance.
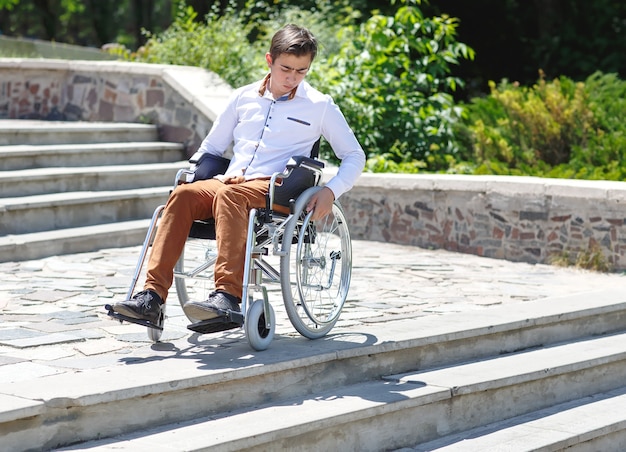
{"type": "Point", "coordinates": [310, 260]}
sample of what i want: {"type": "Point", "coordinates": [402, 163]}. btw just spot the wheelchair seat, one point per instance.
{"type": "Point", "coordinates": [300, 173]}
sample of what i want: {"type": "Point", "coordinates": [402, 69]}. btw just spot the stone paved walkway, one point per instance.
{"type": "Point", "coordinates": [52, 318]}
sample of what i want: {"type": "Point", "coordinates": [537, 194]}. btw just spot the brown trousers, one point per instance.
{"type": "Point", "coordinates": [229, 203]}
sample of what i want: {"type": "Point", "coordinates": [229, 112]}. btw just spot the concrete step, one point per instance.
{"type": "Point", "coordinates": [359, 392]}
{"type": "Point", "coordinates": [380, 415]}
{"type": "Point", "coordinates": [22, 132]}
{"type": "Point", "coordinates": [37, 213]}
{"type": "Point", "coordinates": [81, 178]}
{"type": "Point", "coordinates": [38, 181]}
{"type": "Point", "coordinates": [37, 245]}
{"type": "Point", "coordinates": [593, 423]}
{"type": "Point", "coordinates": [18, 157]}
{"type": "Point", "coordinates": [401, 410]}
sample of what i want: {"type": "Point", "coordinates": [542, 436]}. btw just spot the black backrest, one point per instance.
{"type": "Point", "coordinates": [299, 180]}
{"type": "Point", "coordinates": [315, 150]}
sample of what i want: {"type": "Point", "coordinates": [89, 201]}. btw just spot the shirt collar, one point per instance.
{"type": "Point", "coordinates": [266, 82]}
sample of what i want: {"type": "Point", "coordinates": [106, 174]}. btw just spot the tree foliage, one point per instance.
{"type": "Point", "coordinates": [392, 77]}
{"type": "Point", "coordinates": [85, 22]}
{"type": "Point", "coordinates": [8, 4]}
{"type": "Point", "coordinates": [515, 39]}
{"type": "Point", "coordinates": [219, 45]}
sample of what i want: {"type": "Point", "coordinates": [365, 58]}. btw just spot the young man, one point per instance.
{"type": "Point", "coordinates": [268, 122]}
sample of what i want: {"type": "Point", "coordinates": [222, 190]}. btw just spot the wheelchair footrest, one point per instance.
{"type": "Point", "coordinates": [125, 318]}
{"type": "Point", "coordinates": [227, 321]}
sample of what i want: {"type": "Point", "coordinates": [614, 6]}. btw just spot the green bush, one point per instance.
{"type": "Point", "coordinates": [603, 156]}
{"type": "Point", "coordinates": [232, 43]}
{"type": "Point", "coordinates": [552, 129]}
{"type": "Point", "coordinates": [392, 79]}
{"type": "Point", "coordinates": [220, 45]}
{"type": "Point", "coordinates": [521, 126]}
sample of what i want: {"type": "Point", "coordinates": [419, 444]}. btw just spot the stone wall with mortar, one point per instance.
{"type": "Point", "coordinates": [514, 218]}
{"type": "Point", "coordinates": [522, 219]}
{"type": "Point", "coordinates": [183, 101]}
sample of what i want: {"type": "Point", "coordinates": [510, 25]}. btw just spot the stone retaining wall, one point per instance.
{"type": "Point", "coordinates": [183, 101]}
{"type": "Point", "coordinates": [515, 218]}
{"type": "Point", "coordinates": [522, 219]}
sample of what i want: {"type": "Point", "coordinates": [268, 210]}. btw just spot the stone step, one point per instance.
{"type": "Point", "coordinates": [22, 132]}
{"type": "Point", "coordinates": [401, 410]}
{"type": "Point", "coordinates": [27, 156]}
{"type": "Point", "coordinates": [38, 181]}
{"type": "Point", "coordinates": [352, 393]}
{"type": "Point", "coordinates": [81, 178]}
{"type": "Point", "coordinates": [36, 213]}
{"type": "Point", "coordinates": [596, 422]}
{"type": "Point", "coordinates": [37, 245]}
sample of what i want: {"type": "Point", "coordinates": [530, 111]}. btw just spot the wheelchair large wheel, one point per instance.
{"type": "Point", "coordinates": [193, 273]}
{"type": "Point", "coordinates": [315, 270]}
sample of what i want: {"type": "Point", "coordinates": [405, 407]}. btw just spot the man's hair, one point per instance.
{"type": "Point", "coordinates": [294, 40]}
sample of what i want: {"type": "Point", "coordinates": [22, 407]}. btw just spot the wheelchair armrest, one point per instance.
{"type": "Point", "coordinates": [205, 165]}
{"type": "Point", "coordinates": [300, 173]}
{"type": "Point", "coordinates": [184, 176]}
{"type": "Point", "coordinates": [197, 157]}
{"type": "Point", "coordinates": [304, 162]}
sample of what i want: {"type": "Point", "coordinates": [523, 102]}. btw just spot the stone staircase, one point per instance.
{"type": "Point", "coordinates": [543, 375]}
{"type": "Point", "coordinates": [69, 187]}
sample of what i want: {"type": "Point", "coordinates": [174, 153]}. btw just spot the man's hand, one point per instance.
{"type": "Point", "coordinates": [321, 203]}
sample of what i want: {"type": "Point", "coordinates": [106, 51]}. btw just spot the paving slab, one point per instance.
{"type": "Point", "coordinates": [59, 300]}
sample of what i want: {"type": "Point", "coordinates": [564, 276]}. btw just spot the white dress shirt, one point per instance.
{"type": "Point", "coordinates": [266, 133]}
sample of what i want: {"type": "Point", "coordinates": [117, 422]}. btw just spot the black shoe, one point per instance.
{"type": "Point", "coordinates": [145, 305]}
{"type": "Point", "coordinates": [218, 304]}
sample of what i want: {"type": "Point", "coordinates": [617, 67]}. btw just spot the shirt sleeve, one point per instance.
{"type": "Point", "coordinates": [346, 147]}
{"type": "Point", "coordinates": [220, 136]}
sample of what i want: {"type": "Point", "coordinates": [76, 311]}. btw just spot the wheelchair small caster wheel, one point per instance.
{"type": "Point", "coordinates": [258, 334]}
{"type": "Point", "coordinates": [154, 334]}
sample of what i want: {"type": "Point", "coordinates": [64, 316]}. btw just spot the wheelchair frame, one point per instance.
{"type": "Point", "coordinates": [314, 281]}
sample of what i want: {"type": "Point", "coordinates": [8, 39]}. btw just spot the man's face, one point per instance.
{"type": "Point", "coordinates": [287, 71]}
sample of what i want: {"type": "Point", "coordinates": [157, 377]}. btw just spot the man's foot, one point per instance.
{"type": "Point", "coordinates": [217, 304]}
{"type": "Point", "coordinates": [144, 305]}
